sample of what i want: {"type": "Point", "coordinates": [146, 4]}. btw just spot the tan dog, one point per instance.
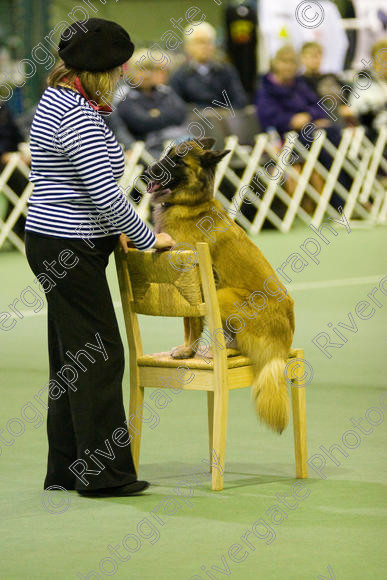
{"type": "Point", "coordinates": [240, 271]}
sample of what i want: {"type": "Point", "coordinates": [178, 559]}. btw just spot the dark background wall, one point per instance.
{"type": "Point", "coordinates": [25, 23]}
{"type": "Point", "coordinates": [146, 20]}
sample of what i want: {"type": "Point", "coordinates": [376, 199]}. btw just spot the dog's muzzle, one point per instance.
{"type": "Point", "coordinates": [155, 187]}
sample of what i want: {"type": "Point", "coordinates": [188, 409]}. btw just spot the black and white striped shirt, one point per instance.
{"type": "Point", "coordinates": [76, 162]}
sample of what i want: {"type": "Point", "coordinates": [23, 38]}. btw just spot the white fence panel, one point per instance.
{"type": "Point", "coordinates": [258, 177]}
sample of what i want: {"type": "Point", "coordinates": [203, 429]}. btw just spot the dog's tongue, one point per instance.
{"type": "Point", "coordinates": [153, 187]}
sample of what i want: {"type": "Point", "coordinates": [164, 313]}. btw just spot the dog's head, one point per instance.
{"type": "Point", "coordinates": [184, 176]}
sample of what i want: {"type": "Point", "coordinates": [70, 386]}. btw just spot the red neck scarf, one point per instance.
{"type": "Point", "coordinates": [103, 109]}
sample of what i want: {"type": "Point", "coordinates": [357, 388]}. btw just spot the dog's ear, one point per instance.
{"type": "Point", "coordinates": [211, 158]}
{"type": "Point", "coordinates": [207, 142]}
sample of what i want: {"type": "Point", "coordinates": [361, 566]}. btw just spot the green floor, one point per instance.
{"type": "Point", "coordinates": [337, 530]}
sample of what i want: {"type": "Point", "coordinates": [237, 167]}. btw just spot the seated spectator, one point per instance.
{"type": "Point", "coordinates": [371, 104]}
{"type": "Point", "coordinates": [201, 79]}
{"type": "Point", "coordinates": [152, 112]}
{"type": "Point", "coordinates": [322, 84]}
{"type": "Point", "coordinates": [10, 139]}
{"type": "Point", "coordinates": [285, 102]}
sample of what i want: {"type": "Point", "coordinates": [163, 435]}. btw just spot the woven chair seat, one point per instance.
{"type": "Point", "coordinates": [164, 359]}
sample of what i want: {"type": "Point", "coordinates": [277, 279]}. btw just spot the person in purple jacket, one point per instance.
{"type": "Point", "coordinates": [285, 102]}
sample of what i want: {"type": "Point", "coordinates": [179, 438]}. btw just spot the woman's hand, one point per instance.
{"type": "Point", "coordinates": [164, 241]}
{"type": "Point", "coordinates": [126, 243]}
{"type": "Point", "coordinates": [299, 120]}
{"type": "Point", "coordinates": [323, 123]}
{"type": "Point", "coordinates": [6, 157]}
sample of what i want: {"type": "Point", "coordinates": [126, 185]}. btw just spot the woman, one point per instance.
{"type": "Point", "coordinates": [285, 102]}
{"type": "Point", "coordinates": [75, 216]}
{"type": "Point", "coordinates": [202, 78]}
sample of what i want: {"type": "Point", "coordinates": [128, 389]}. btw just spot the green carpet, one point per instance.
{"type": "Point", "coordinates": [332, 528]}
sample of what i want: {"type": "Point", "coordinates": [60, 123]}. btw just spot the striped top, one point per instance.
{"type": "Point", "coordinates": [76, 162]}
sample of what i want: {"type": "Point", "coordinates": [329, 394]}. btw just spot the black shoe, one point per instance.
{"type": "Point", "coordinates": [134, 488]}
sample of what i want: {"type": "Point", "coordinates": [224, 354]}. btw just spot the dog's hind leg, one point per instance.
{"type": "Point", "coordinates": [266, 340]}
{"type": "Point", "coordinates": [193, 328]}
{"type": "Point", "coordinates": [269, 388]}
{"type": "Point", "coordinates": [265, 336]}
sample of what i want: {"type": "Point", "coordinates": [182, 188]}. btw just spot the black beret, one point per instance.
{"type": "Point", "coordinates": [103, 46]}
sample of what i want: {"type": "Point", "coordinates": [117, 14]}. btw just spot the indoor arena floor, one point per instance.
{"type": "Point", "coordinates": [336, 526]}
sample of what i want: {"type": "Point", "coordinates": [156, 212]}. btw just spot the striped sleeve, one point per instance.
{"type": "Point", "coordinates": [81, 138]}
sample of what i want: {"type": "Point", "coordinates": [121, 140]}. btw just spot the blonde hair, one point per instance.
{"type": "Point", "coordinates": [308, 45]}
{"type": "Point", "coordinates": [147, 63]}
{"type": "Point", "coordinates": [284, 51]}
{"type": "Point", "coordinates": [91, 81]}
{"type": "Point", "coordinates": [205, 27]}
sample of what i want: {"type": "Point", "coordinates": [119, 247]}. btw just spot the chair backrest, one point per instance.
{"type": "Point", "coordinates": [165, 283]}
{"type": "Point", "coordinates": [172, 283]}
{"type": "Point", "coordinates": [218, 130]}
{"type": "Point", "coordinates": [244, 125]}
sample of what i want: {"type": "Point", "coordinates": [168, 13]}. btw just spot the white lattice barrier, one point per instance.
{"type": "Point", "coordinates": [375, 182]}
{"type": "Point", "coordinates": [19, 202]}
{"type": "Point", "coordinates": [244, 170]}
{"type": "Point", "coordinates": [363, 162]}
{"type": "Point", "coordinates": [139, 160]}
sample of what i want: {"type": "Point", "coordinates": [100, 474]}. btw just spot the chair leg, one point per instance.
{"type": "Point", "coordinates": [136, 400]}
{"type": "Point", "coordinates": [299, 420]}
{"type": "Point", "coordinates": [210, 406]}
{"type": "Point", "coordinates": [219, 437]}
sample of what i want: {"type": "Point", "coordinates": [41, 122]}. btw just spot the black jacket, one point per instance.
{"type": "Point", "coordinates": [145, 113]}
{"type": "Point", "coordinates": [201, 85]}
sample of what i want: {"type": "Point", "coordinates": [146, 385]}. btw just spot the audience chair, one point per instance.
{"type": "Point", "coordinates": [244, 125]}
{"type": "Point", "coordinates": [214, 127]}
{"type": "Point", "coordinates": [153, 283]}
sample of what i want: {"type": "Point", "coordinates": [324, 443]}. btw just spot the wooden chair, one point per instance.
{"type": "Point", "coordinates": [182, 284]}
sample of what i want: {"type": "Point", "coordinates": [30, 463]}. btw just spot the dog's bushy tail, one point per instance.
{"type": "Point", "coordinates": [270, 394]}
{"type": "Point", "coordinates": [267, 342]}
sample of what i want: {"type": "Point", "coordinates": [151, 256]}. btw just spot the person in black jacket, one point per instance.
{"type": "Point", "coordinates": [152, 112]}
{"type": "Point", "coordinates": [322, 84]}
{"type": "Point", "coordinates": [201, 79]}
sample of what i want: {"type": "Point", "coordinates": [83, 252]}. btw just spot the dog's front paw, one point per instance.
{"type": "Point", "coordinates": [182, 351]}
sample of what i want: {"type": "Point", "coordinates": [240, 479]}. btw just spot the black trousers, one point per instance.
{"type": "Point", "coordinates": [83, 411]}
